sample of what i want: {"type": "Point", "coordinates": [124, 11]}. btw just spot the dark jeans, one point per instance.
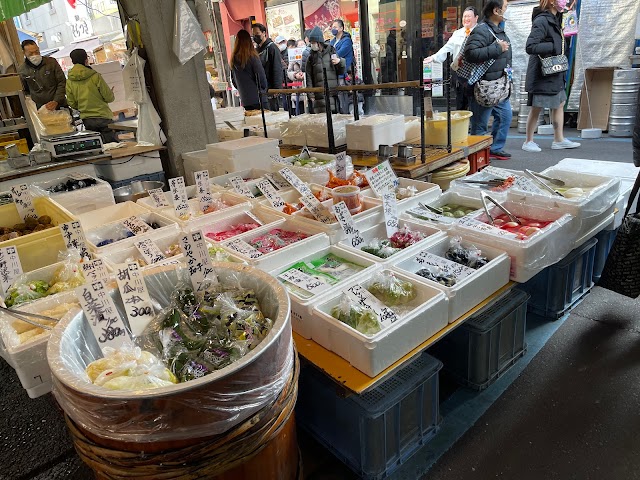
{"type": "Point", "coordinates": [501, 122]}
{"type": "Point", "coordinates": [463, 92]}
{"type": "Point", "coordinates": [101, 125]}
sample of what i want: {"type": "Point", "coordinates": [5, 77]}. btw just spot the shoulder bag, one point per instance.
{"type": "Point", "coordinates": [554, 64]}
{"type": "Point", "coordinates": [471, 72]}
{"type": "Point", "coordinates": [621, 272]}
{"type": "Point", "coordinates": [489, 93]}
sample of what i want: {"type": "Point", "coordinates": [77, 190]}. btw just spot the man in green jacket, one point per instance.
{"type": "Point", "coordinates": [89, 93]}
{"type": "Point", "coordinates": [42, 77]}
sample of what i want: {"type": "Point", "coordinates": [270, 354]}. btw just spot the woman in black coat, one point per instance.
{"type": "Point", "coordinates": [546, 91]}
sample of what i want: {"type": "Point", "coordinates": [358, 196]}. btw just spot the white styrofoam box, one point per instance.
{"type": "Point", "coordinates": [110, 214]}
{"type": "Point", "coordinates": [316, 130]}
{"type": "Point", "coordinates": [292, 131]}
{"type": "Point", "coordinates": [233, 115]}
{"type": "Point", "coordinates": [426, 193]}
{"type": "Point", "coordinates": [431, 233]}
{"type": "Point", "coordinates": [474, 190]}
{"type": "Point", "coordinates": [411, 128]}
{"type": "Point", "coordinates": [120, 169]}
{"type": "Point", "coordinates": [117, 229]}
{"type": "Point", "coordinates": [470, 291]}
{"type": "Point", "coordinates": [269, 117]}
{"type": "Point", "coordinates": [442, 222]}
{"type": "Point", "coordinates": [112, 258]}
{"type": "Point", "coordinates": [242, 154]}
{"type": "Point", "coordinates": [251, 176]}
{"type": "Point", "coordinates": [316, 240]}
{"type": "Point", "coordinates": [319, 175]}
{"type": "Point", "coordinates": [113, 78]}
{"type": "Point", "coordinates": [234, 202]}
{"type": "Point", "coordinates": [76, 201]}
{"type": "Point", "coordinates": [195, 162]}
{"type": "Point", "coordinates": [529, 256]}
{"type": "Point", "coordinates": [301, 308]}
{"type": "Point", "coordinates": [220, 224]}
{"type": "Point", "coordinates": [369, 133]}
{"type": "Point", "coordinates": [29, 359]}
{"type": "Point", "coordinates": [148, 203]}
{"type": "Point", "coordinates": [108, 67]}
{"type": "Point", "coordinates": [372, 354]}
{"type": "Point", "coordinates": [604, 223]}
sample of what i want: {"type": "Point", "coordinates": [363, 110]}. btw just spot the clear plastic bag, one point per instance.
{"type": "Point", "coordinates": [468, 256]}
{"type": "Point", "coordinates": [380, 248]}
{"type": "Point", "coordinates": [55, 122]}
{"type": "Point", "coordinates": [188, 39]}
{"type": "Point", "coordinates": [391, 290]}
{"type": "Point", "coordinates": [362, 319]}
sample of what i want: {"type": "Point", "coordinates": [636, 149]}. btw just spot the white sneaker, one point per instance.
{"type": "Point", "coordinates": [566, 143]}
{"type": "Point", "coordinates": [531, 147]}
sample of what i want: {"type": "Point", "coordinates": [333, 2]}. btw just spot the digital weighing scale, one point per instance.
{"type": "Point", "coordinates": [67, 145]}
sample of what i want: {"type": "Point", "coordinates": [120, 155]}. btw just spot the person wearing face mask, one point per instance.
{"type": "Point", "coordinates": [343, 44]}
{"type": "Point", "coordinates": [323, 56]}
{"type": "Point", "coordinates": [42, 78]}
{"type": "Point", "coordinates": [454, 46]}
{"type": "Point", "coordinates": [546, 91]}
{"type": "Point", "coordinates": [281, 43]}
{"type": "Point", "coordinates": [488, 41]}
{"type": "Point", "coordinates": [271, 61]}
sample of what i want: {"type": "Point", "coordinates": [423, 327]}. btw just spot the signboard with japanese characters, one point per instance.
{"type": "Point", "coordinates": [135, 296]}
{"type": "Point", "coordinates": [10, 268]}
{"type": "Point", "coordinates": [203, 189]}
{"type": "Point", "coordinates": [198, 260]}
{"type": "Point", "coordinates": [104, 320]}
{"type": "Point", "coordinates": [74, 238]}
{"type": "Point", "coordinates": [23, 202]}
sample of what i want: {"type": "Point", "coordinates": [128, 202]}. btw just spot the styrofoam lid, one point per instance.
{"type": "Point", "coordinates": [242, 144]}
{"type": "Point", "coordinates": [377, 120]}
{"type": "Point", "coordinates": [600, 167]}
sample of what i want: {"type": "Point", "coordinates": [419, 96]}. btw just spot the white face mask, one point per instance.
{"type": "Point", "coordinates": [282, 47]}
{"type": "Point", "coordinates": [506, 15]}
{"type": "Point", "coordinates": [315, 47]}
{"type": "Point", "coordinates": [36, 59]}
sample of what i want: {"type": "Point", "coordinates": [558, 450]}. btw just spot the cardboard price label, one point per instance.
{"type": "Point", "coordinates": [23, 201]}
{"type": "Point", "coordinates": [390, 206]}
{"type": "Point", "coordinates": [198, 260]}
{"type": "Point", "coordinates": [354, 238]}
{"type": "Point", "coordinates": [179, 196]}
{"type": "Point", "coordinates": [240, 186]}
{"type": "Point", "coordinates": [363, 297]}
{"type": "Point", "coordinates": [447, 267]}
{"type": "Point", "coordinates": [107, 326]}
{"type": "Point", "coordinates": [277, 180]}
{"type": "Point", "coordinates": [317, 209]}
{"type": "Point", "coordinates": [74, 238]}
{"type": "Point", "coordinates": [295, 182]}
{"type": "Point", "coordinates": [306, 282]}
{"type": "Point", "coordinates": [270, 193]}
{"type": "Point", "coordinates": [10, 268]}
{"type": "Point", "coordinates": [203, 189]}
{"type": "Point", "coordinates": [136, 225]}
{"type": "Point", "coordinates": [341, 165]}
{"type": "Point", "coordinates": [381, 178]}
{"type": "Point", "coordinates": [243, 248]}
{"type": "Point", "coordinates": [135, 297]}
{"type": "Point", "coordinates": [95, 271]}
{"type": "Point", "coordinates": [158, 197]}
{"type": "Point", "coordinates": [149, 251]}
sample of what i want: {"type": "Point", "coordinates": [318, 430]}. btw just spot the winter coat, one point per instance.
{"type": "Point", "coordinates": [89, 93]}
{"type": "Point", "coordinates": [545, 40]}
{"type": "Point", "coordinates": [244, 80]}
{"type": "Point", "coordinates": [45, 83]}
{"type": "Point", "coordinates": [344, 49]}
{"type": "Point", "coordinates": [636, 136]}
{"type": "Point", "coordinates": [482, 46]}
{"type": "Point", "coordinates": [305, 57]}
{"type": "Point", "coordinates": [272, 63]}
{"type": "Point", "coordinates": [317, 61]}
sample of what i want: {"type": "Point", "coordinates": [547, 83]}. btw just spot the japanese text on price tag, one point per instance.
{"type": "Point", "coordinates": [390, 206]}
{"type": "Point", "coordinates": [135, 297]}
{"type": "Point", "coordinates": [447, 267]}
{"type": "Point", "coordinates": [106, 324]}
{"type": "Point", "coordinates": [94, 271]}
{"type": "Point", "coordinates": [243, 248]}
{"type": "Point", "coordinates": [10, 268]}
{"type": "Point", "coordinates": [304, 281]}
{"type": "Point", "coordinates": [240, 186]}
{"type": "Point", "coordinates": [23, 201]}
{"type": "Point", "coordinates": [198, 260]}
{"type": "Point", "coordinates": [136, 225]}
{"type": "Point", "coordinates": [203, 189]}
{"type": "Point", "coordinates": [270, 194]}
{"type": "Point", "coordinates": [179, 197]}
{"type": "Point", "coordinates": [295, 182]}
{"type": "Point", "coordinates": [74, 238]}
{"type": "Point", "coordinates": [364, 298]}
{"type": "Point", "coordinates": [149, 251]}
{"type": "Point", "coordinates": [381, 178]}
{"type": "Point", "coordinates": [277, 180]}
{"type": "Point", "coordinates": [159, 198]}
{"type": "Point", "coordinates": [354, 238]}
{"type": "Point", "coordinates": [341, 165]}
{"type": "Point", "coordinates": [317, 209]}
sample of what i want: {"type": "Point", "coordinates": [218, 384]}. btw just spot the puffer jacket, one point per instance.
{"type": "Point", "coordinates": [344, 49]}
{"type": "Point", "coordinates": [317, 61]}
{"type": "Point", "coordinates": [481, 46]}
{"type": "Point", "coordinates": [636, 136]}
{"type": "Point", "coordinates": [545, 40]}
{"type": "Point", "coordinates": [44, 82]}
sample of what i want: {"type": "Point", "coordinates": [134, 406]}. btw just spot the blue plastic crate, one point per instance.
{"type": "Point", "coordinates": [152, 177]}
{"type": "Point", "coordinates": [376, 432]}
{"type": "Point", "coordinates": [605, 242]}
{"type": "Point", "coordinates": [488, 344]}
{"type": "Point", "coordinates": [559, 287]}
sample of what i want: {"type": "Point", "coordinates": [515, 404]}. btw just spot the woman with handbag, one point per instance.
{"type": "Point", "coordinates": [488, 45]}
{"type": "Point", "coordinates": [546, 73]}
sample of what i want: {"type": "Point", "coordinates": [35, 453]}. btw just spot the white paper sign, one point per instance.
{"type": "Point", "coordinates": [363, 297]}
{"type": "Point", "coordinates": [243, 248]}
{"type": "Point", "coordinates": [240, 186]}
{"type": "Point", "coordinates": [23, 201]}
{"type": "Point", "coordinates": [390, 206]}
{"type": "Point", "coordinates": [158, 197]}
{"type": "Point", "coordinates": [203, 189]}
{"type": "Point", "coordinates": [136, 225]}
{"type": "Point", "coordinates": [447, 267]}
{"type": "Point", "coordinates": [277, 158]}
{"type": "Point", "coordinates": [10, 268]}
{"type": "Point", "coordinates": [381, 178]}
{"type": "Point", "coordinates": [179, 197]}
{"type": "Point", "coordinates": [270, 193]}
{"type": "Point", "coordinates": [277, 180]}
{"type": "Point", "coordinates": [149, 251]}
{"type": "Point", "coordinates": [317, 209]}
{"type": "Point", "coordinates": [341, 165]}
{"type": "Point", "coordinates": [295, 182]}
{"type": "Point", "coordinates": [101, 313]}
{"type": "Point", "coordinates": [95, 271]}
{"type": "Point", "coordinates": [74, 238]}
{"type": "Point", "coordinates": [198, 260]}
{"type": "Point", "coordinates": [306, 282]}
{"type": "Point", "coordinates": [354, 238]}
{"type": "Point", "coordinates": [135, 296]}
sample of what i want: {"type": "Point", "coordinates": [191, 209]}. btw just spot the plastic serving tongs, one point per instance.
{"type": "Point", "coordinates": [486, 197]}
{"type": "Point", "coordinates": [538, 179]}
{"type": "Point", "coordinates": [24, 316]}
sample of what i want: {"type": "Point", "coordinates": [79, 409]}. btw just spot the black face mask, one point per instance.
{"type": "Point", "coordinates": [257, 39]}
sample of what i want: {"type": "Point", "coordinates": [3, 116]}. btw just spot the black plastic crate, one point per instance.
{"type": "Point", "coordinates": [373, 433]}
{"type": "Point", "coordinates": [488, 344]}
{"type": "Point", "coordinates": [605, 242]}
{"type": "Point", "coordinates": [559, 287]}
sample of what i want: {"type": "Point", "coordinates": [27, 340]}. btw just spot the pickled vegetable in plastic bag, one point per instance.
{"type": "Point", "coordinates": [380, 248]}
{"type": "Point", "coordinates": [469, 257]}
{"type": "Point", "coordinates": [391, 290]}
{"type": "Point", "coordinates": [356, 316]}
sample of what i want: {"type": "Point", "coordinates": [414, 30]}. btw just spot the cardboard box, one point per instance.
{"type": "Point", "coordinates": [599, 83]}
{"type": "Point", "coordinates": [10, 83]}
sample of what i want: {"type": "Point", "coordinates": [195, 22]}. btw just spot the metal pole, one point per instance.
{"type": "Point", "coordinates": [356, 111]}
{"type": "Point", "coordinates": [288, 95]}
{"type": "Point", "coordinates": [264, 120]}
{"type": "Point", "coordinates": [447, 79]}
{"type": "Point", "coordinates": [423, 155]}
{"type": "Point", "coordinates": [327, 105]}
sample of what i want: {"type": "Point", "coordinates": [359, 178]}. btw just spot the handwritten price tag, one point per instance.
{"type": "Point", "coordinates": [107, 326]}
{"type": "Point", "coordinates": [158, 197]}
{"type": "Point", "coordinates": [149, 251]}
{"type": "Point", "coordinates": [136, 225]}
{"type": "Point", "coordinates": [270, 193]}
{"type": "Point", "coordinates": [485, 227]}
{"type": "Point", "coordinates": [95, 271]}
{"type": "Point", "coordinates": [179, 196]}
{"type": "Point", "coordinates": [295, 182]}
{"type": "Point", "coordinates": [240, 186]}
{"type": "Point", "coordinates": [317, 209]}
{"type": "Point", "coordinates": [135, 297]}
{"type": "Point", "coordinates": [363, 297]}
{"type": "Point", "coordinates": [381, 178]}
{"type": "Point", "coordinates": [203, 189]}
{"type": "Point", "coordinates": [390, 206]}
{"type": "Point", "coordinates": [23, 201]}
{"type": "Point", "coordinates": [446, 266]}
{"type": "Point", "coordinates": [277, 180]}
{"type": "Point", "coordinates": [306, 282]}
{"type": "Point", "coordinates": [354, 238]}
{"type": "Point", "coordinates": [243, 248]}
{"type": "Point", "coordinates": [341, 165]}
{"type": "Point", "coordinates": [74, 238]}
{"type": "Point", "coordinates": [10, 268]}
{"type": "Point", "coordinates": [198, 260]}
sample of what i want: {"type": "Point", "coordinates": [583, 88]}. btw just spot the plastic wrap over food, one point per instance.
{"type": "Point", "coordinates": [316, 130]}
{"type": "Point", "coordinates": [202, 407]}
{"type": "Point", "coordinates": [311, 168]}
{"type": "Point", "coordinates": [511, 179]}
{"type": "Point", "coordinates": [78, 193]}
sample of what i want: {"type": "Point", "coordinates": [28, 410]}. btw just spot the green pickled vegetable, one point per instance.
{"type": "Point", "coordinates": [362, 319]}
{"type": "Point", "coordinates": [392, 291]}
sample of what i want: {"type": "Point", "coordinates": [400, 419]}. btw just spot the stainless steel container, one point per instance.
{"type": "Point", "coordinates": [134, 191]}
{"type": "Point", "coordinates": [624, 102]}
